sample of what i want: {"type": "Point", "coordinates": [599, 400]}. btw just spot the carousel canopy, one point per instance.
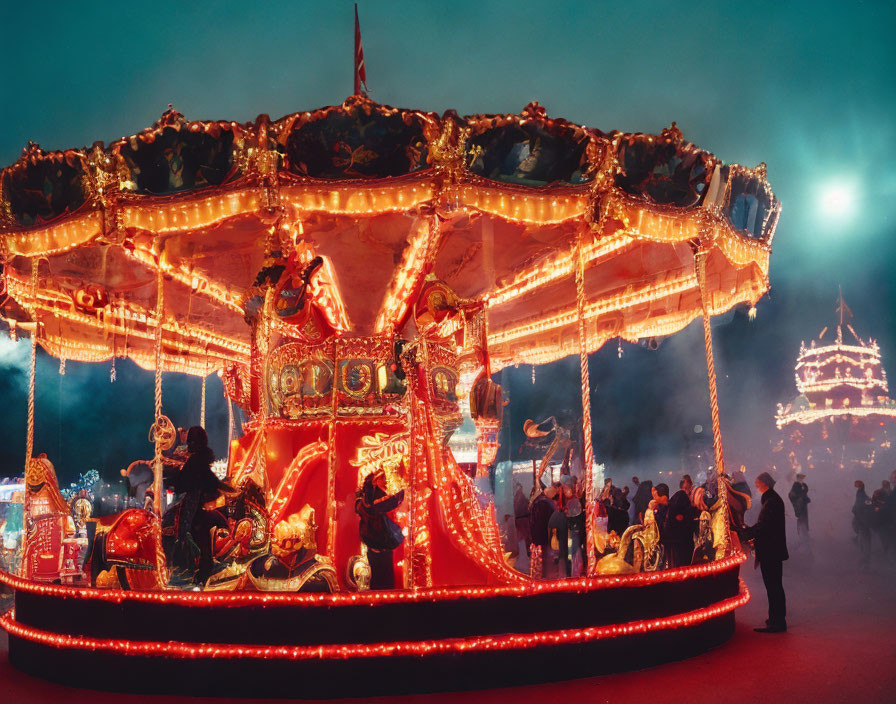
{"type": "Point", "coordinates": [496, 206]}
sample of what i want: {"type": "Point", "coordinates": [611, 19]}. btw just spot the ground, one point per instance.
{"type": "Point", "coordinates": [841, 644]}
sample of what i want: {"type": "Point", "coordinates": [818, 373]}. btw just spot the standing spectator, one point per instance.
{"type": "Point", "coordinates": [521, 515]}
{"type": "Point", "coordinates": [770, 543]}
{"type": "Point", "coordinates": [862, 519]}
{"type": "Point", "coordinates": [558, 528]}
{"type": "Point", "coordinates": [799, 499]}
{"type": "Point", "coordinates": [642, 497]}
{"type": "Point", "coordinates": [378, 531]}
{"type": "Point", "coordinates": [614, 501]}
{"type": "Point", "coordinates": [880, 502]}
{"type": "Point", "coordinates": [660, 506]}
{"type": "Point", "coordinates": [888, 518]}
{"type": "Point", "coordinates": [541, 509]}
{"type": "Point", "coordinates": [575, 515]}
{"type": "Point", "coordinates": [678, 532]}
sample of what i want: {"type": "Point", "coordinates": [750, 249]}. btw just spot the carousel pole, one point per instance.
{"type": "Point", "coordinates": [412, 482]}
{"type": "Point", "coordinates": [202, 405]}
{"type": "Point", "coordinates": [586, 407]}
{"type": "Point", "coordinates": [331, 457]}
{"type": "Point", "coordinates": [229, 422]}
{"type": "Point", "coordinates": [157, 460]}
{"type": "Point", "coordinates": [32, 369]}
{"type": "Point", "coordinates": [264, 392]}
{"type": "Point", "coordinates": [700, 265]}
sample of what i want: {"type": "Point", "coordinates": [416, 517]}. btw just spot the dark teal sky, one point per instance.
{"type": "Point", "coordinates": [807, 87]}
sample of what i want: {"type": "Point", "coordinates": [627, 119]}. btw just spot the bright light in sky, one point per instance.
{"type": "Point", "coordinates": [838, 200]}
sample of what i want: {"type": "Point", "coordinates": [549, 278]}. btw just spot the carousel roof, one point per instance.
{"type": "Point", "coordinates": [494, 205]}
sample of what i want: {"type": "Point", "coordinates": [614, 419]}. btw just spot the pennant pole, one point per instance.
{"type": "Point", "coordinates": [360, 68]}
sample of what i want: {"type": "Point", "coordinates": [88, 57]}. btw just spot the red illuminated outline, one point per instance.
{"type": "Point", "coordinates": [532, 588]}
{"type": "Point", "coordinates": [515, 641]}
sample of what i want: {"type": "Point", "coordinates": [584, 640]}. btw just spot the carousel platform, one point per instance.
{"type": "Point", "coordinates": [337, 645]}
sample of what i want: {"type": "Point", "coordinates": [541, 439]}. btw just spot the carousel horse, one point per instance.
{"type": "Point", "coordinates": [241, 540]}
{"type": "Point", "coordinates": [739, 501]}
{"type": "Point", "coordinates": [292, 564]}
{"type": "Point", "coordinates": [642, 541]}
{"type": "Point", "coordinates": [52, 550]}
{"type": "Point", "coordinates": [237, 528]}
{"type": "Point", "coordinates": [710, 541]}
{"type": "Point", "coordinates": [125, 551]}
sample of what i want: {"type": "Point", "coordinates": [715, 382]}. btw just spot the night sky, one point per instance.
{"type": "Point", "coordinates": [806, 87]}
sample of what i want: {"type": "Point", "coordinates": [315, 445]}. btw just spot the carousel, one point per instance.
{"type": "Point", "coordinates": [841, 421]}
{"type": "Point", "coordinates": [352, 272]}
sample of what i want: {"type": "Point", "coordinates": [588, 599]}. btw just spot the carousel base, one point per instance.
{"type": "Point", "coordinates": [324, 646]}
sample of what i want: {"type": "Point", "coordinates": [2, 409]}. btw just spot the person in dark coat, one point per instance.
{"type": "Point", "coordinates": [642, 497]}
{"type": "Point", "coordinates": [521, 515]}
{"type": "Point", "coordinates": [769, 538]}
{"type": "Point", "coordinates": [378, 531]}
{"type": "Point", "coordinates": [558, 528]}
{"type": "Point", "coordinates": [880, 503]}
{"type": "Point", "coordinates": [540, 511]}
{"type": "Point", "coordinates": [660, 506]}
{"type": "Point", "coordinates": [799, 499]}
{"type": "Point", "coordinates": [888, 519]}
{"type": "Point", "coordinates": [615, 502]}
{"type": "Point", "coordinates": [862, 523]}
{"type": "Point", "coordinates": [678, 531]}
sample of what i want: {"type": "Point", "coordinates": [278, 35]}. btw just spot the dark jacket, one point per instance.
{"type": "Point", "coordinates": [769, 534]}
{"type": "Point", "coordinates": [659, 515]}
{"type": "Point", "coordinates": [799, 498]}
{"type": "Point", "coordinates": [642, 497]}
{"type": "Point", "coordinates": [196, 476]}
{"type": "Point", "coordinates": [377, 530]}
{"type": "Point", "coordinates": [862, 512]}
{"type": "Point", "coordinates": [540, 512]}
{"type": "Point", "coordinates": [679, 530]}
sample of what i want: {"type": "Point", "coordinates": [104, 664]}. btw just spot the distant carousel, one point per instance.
{"type": "Point", "coordinates": [342, 269]}
{"type": "Point", "coordinates": [842, 420]}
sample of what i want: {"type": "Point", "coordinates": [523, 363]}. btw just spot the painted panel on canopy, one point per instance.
{"type": "Point", "coordinates": [357, 142]}
{"type": "Point", "coordinates": [663, 168]}
{"type": "Point", "coordinates": [177, 158]}
{"type": "Point", "coordinates": [40, 187]}
{"type": "Point", "coordinates": [528, 154]}
{"type": "Point", "coordinates": [751, 203]}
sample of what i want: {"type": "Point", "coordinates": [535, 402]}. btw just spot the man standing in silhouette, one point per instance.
{"type": "Point", "coordinates": [770, 543]}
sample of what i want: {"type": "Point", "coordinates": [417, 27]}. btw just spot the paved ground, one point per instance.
{"type": "Point", "coordinates": [841, 644]}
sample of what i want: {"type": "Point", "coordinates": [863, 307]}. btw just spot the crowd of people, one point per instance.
{"type": "Point", "coordinates": [875, 515]}
{"type": "Point", "coordinates": [553, 519]}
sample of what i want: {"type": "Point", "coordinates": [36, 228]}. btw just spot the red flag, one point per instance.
{"type": "Point", "coordinates": [360, 68]}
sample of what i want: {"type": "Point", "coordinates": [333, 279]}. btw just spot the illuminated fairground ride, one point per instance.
{"type": "Point", "coordinates": [343, 269]}
{"type": "Point", "coordinates": [842, 420]}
